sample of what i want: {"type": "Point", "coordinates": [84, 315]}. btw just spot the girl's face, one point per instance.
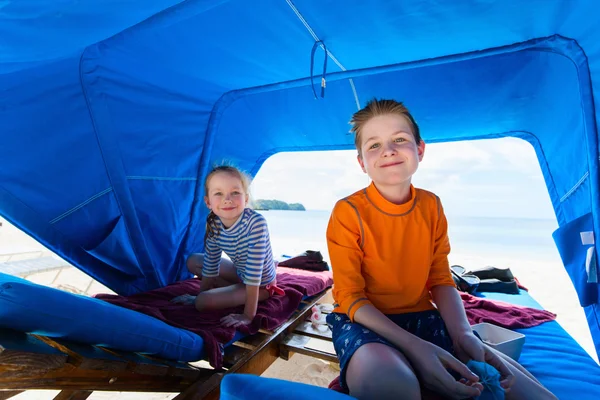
{"type": "Point", "coordinates": [226, 197]}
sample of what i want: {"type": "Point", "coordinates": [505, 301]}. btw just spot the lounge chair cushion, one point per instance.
{"type": "Point", "coordinates": [33, 308]}
{"type": "Point", "coordinates": [242, 386]}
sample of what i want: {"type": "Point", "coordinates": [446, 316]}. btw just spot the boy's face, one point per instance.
{"type": "Point", "coordinates": [390, 154]}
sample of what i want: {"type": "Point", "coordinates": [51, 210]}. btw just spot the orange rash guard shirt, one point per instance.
{"type": "Point", "coordinates": [388, 255]}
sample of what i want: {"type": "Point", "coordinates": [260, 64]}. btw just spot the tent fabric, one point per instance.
{"type": "Point", "coordinates": [111, 113]}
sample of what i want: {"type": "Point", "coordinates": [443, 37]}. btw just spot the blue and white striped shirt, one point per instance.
{"type": "Point", "coordinates": [248, 246]}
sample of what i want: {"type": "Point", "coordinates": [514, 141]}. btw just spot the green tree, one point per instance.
{"type": "Point", "coordinates": [263, 204]}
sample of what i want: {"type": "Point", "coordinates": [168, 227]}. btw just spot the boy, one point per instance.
{"type": "Point", "coordinates": [388, 246]}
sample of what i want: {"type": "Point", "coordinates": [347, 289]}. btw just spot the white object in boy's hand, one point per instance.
{"type": "Point", "coordinates": [504, 340]}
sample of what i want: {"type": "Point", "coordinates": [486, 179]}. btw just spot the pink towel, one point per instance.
{"type": "Point", "coordinates": [503, 314]}
{"type": "Point", "coordinates": [270, 314]}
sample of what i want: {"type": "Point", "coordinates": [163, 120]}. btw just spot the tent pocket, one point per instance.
{"type": "Point", "coordinates": [576, 247]}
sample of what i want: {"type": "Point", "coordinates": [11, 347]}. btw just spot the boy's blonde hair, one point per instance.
{"type": "Point", "coordinates": [375, 108]}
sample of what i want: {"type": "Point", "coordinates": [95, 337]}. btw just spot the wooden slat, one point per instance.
{"type": "Point", "coordinates": [253, 341]}
{"type": "Point", "coordinates": [301, 344]}
{"type": "Point", "coordinates": [233, 355]}
{"type": "Point", "coordinates": [85, 356]}
{"type": "Point", "coordinates": [7, 394]}
{"type": "Point", "coordinates": [73, 395]}
{"type": "Point", "coordinates": [8, 372]}
{"type": "Point", "coordinates": [21, 349]}
{"type": "Point", "coordinates": [177, 368]}
{"type": "Point", "coordinates": [207, 390]}
{"type": "Point", "coordinates": [141, 365]}
{"type": "Point", "coordinates": [28, 362]}
{"type": "Point", "coordinates": [306, 328]}
{"type": "Point", "coordinates": [77, 379]}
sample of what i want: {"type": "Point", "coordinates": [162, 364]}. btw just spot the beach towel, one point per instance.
{"type": "Point", "coordinates": [270, 314]}
{"type": "Point", "coordinates": [503, 314]}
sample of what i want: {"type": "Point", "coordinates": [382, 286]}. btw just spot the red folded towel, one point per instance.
{"type": "Point", "coordinates": [270, 314]}
{"type": "Point", "coordinates": [503, 314]}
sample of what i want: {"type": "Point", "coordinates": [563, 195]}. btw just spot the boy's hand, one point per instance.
{"type": "Point", "coordinates": [184, 299]}
{"type": "Point", "coordinates": [431, 363]}
{"type": "Point", "coordinates": [235, 320]}
{"type": "Point", "coordinates": [469, 347]}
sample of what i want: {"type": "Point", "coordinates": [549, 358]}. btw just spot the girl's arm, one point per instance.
{"type": "Point", "coordinates": [211, 264]}
{"type": "Point", "coordinates": [251, 301]}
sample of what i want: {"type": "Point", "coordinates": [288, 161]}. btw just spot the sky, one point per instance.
{"type": "Point", "coordinates": [485, 178]}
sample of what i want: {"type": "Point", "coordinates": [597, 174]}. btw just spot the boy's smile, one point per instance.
{"type": "Point", "coordinates": [390, 154]}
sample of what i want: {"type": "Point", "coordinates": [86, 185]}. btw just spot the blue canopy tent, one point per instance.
{"type": "Point", "coordinates": [112, 112]}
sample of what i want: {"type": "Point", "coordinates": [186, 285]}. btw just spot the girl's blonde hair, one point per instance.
{"type": "Point", "coordinates": [211, 225]}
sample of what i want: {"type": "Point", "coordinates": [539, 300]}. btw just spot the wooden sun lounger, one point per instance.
{"type": "Point", "coordinates": [30, 361]}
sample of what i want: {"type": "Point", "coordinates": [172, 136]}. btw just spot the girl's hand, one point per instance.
{"type": "Point", "coordinates": [235, 320]}
{"type": "Point", "coordinates": [184, 299]}
{"type": "Point", "coordinates": [469, 347]}
{"type": "Point", "coordinates": [431, 363]}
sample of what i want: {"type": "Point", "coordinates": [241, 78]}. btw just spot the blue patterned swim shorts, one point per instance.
{"type": "Point", "coordinates": [348, 336]}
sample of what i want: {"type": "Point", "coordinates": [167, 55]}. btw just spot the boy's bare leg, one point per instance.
{"type": "Point", "coordinates": [525, 385]}
{"type": "Point", "coordinates": [377, 371]}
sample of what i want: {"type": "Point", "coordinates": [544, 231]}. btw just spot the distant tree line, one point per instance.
{"type": "Point", "coordinates": [262, 204]}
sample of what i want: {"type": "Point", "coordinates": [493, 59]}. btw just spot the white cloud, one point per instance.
{"type": "Point", "coordinates": [498, 177]}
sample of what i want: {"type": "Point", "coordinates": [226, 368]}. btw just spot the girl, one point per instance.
{"type": "Point", "coordinates": [243, 235]}
{"type": "Point", "coordinates": [399, 323]}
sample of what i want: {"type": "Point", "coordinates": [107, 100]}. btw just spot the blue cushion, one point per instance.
{"type": "Point", "coordinates": [251, 387]}
{"type": "Point", "coordinates": [28, 307]}
{"type": "Point", "coordinates": [553, 356]}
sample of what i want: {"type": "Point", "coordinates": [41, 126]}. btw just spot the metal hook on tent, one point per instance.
{"type": "Point", "coordinates": [312, 63]}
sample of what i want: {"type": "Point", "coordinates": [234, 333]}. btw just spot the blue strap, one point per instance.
{"type": "Point", "coordinates": [312, 63]}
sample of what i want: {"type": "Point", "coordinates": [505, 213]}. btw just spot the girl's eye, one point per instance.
{"type": "Point", "coordinates": [399, 140]}
{"type": "Point", "coordinates": [236, 193]}
{"type": "Point", "coordinates": [218, 194]}
{"type": "Point", "coordinates": [374, 146]}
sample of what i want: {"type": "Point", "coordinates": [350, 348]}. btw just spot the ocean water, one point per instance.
{"type": "Point", "coordinates": [295, 231]}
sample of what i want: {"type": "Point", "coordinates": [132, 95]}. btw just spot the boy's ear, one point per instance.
{"type": "Point", "coordinates": [362, 164]}
{"type": "Point", "coordinates": [421, 150]}
{"type": "Point", "coordinates": [207, 202]}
